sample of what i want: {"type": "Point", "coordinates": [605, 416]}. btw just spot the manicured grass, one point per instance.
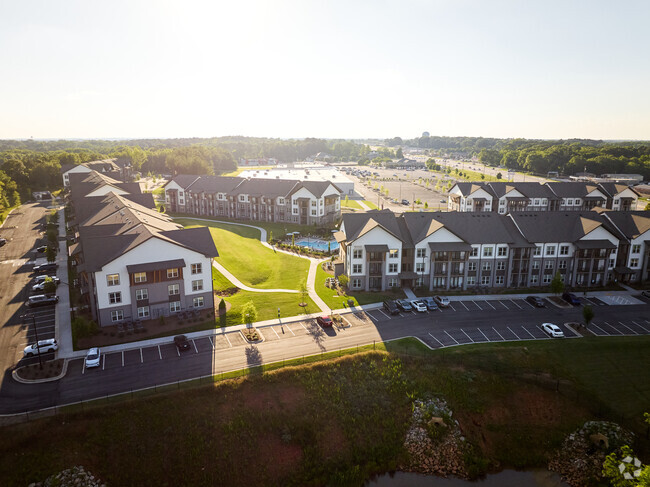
{"type": "Point", "coordinates": [241, 252]}
{"type": "Point", "coordinates": [371, 205]}
{"type": "Point", "coordinates": [350, 204]}
{"type": "Point", "coordinates": [219, 282]}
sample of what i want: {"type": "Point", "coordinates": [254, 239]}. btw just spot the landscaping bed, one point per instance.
{"type": "Point", "coordinates": [252, 335]}
{"type": "Point", "coordinates": [51, 369]}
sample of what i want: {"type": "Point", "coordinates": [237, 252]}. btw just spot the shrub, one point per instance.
{"type": "Point", "coordinates": [343, 280]}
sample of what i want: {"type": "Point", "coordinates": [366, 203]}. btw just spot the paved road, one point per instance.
{"type": "Point", "coordinates": [22, 229]}
{"type": "Point", "coordinates": [464, 322]}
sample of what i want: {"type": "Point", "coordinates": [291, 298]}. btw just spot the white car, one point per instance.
{"type": "Point", "coordinates": [41, 285]}
{"type": "Point", "coordinates": [553, 330]}
{"type": "Point", "coordinates": [39, 279]}
{"type": "Point", "coordinates": [44, 346]}
{"type": "Point", "coordinates": [443, 301]}
{"type": "Point", "coordinates": [92, 358]}
{"type": "Point", "coordinates": [419, 306]}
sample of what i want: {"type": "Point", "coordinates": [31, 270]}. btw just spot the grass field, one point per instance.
{"type": "Point", "coordinates": [371, 205]}
{"type": "Point", "coordinates": [241, 252]}
{"type": "Point", "coordinates": [336, 422]}
{"type": "Point", "coordinates": [350, 204]}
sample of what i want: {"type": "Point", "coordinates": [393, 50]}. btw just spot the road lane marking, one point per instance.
{"type": "Point", "coordinates": [141, 360]}
{"type": "Point", "coordinates": [483, 335]}
{"type": "Point", "coordinates": [159, 354]}
{"type": "Point", "coordinates": [641, 326]}
{"type": "Point", "coordinates": [467, 336]}
{"type": "Point", "coordinates": [226, 336]}
{"type": "Point", "coordinates": [456, 341]}
{"type": "Point", "coordinates": [195, 349]}
{"type": "Point", "coordinates": [504, 304]}
{"type": "Point", "coordinates": [441, 344]}
{"type": "Point", "coordinates": [606, 333]}
{"type": "Point", "coordinates": [276, 333]}
{"type": "Point", "coordinates": [477, 305]}
{"type": "Point", "coordinates": [384, 314]}
{"type": "Point", "coordinates": [466, 308]}
{"type": "Point", "coordinates": [528, 331]}
{"type": "Point", "coordinates": [633, 331]}
{"type": "Point", "coordinates": [495, 330]}
{"type": "Point", "coordinates": [212, 343]}
{"type": "Point", "coordinates": [489, 304]}
{"type": "Point", "coordinates": [513, 332]}
{"type": "Point", "coordinates": [515, 304]}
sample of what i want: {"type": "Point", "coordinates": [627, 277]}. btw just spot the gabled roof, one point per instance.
{"type": "Point", "coordinates": [317, 188]}
{"type": "Point", "coordinates": [467, 189]}
{"type": "Point", "coordinates": [612, 189]}
{"type": "Point", "coordinates": [214, 184]}
{"type": "Point", "coordinates": [528, 189]}
{"type": "Point", "coordinates": [271, 188]}
{"type": "Point", "coordinates": [357, 224]}
{"type": "Point", "coordinates": [631, 224]}
{"type": "Point", "coordinates": [572, 189]}
{"type": "Point", "coordinates": [558, 226]}
{"type": "Point", "coordinates": [184, 180]}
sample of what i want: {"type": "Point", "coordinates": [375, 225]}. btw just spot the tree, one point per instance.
{"type": "Point", "coordinates": [631, 475]}
{"type": "Point", "coordinates": [426, 205]}
{"type": "Point", "coordinates": [304, 293]}
{"type": "Point", "coordinates": [249, 314]}
{"type": "Point", "coordinates": [499, 175]}
{"type": "Point", "coordinates": [557, 286]}
{"type": "Point", "coordinates": [50, 253]}
{"type": "Point", "coordinates": [399, 154]}
{"type": "Point", "coordinates": [49, 287]}
{"type": "Point", "coordinates": [587, 314]}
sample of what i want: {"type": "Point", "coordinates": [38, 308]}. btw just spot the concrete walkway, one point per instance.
{"type": "Point", "coordinates": [363, 205]}
{"type": "Point", "coordinates": [62, 322]}
{"type": "Point", "coordinates": [409, 293]}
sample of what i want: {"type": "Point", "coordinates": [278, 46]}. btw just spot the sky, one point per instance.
{"type": "Point", "coordinates": [541, 69]}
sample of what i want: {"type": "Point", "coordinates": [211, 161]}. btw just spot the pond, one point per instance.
{"type": "Point", "coordinates": [505, 478]}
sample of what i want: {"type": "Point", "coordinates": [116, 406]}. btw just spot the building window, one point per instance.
{"type": "Point", "coordinates": [547, 278]}
{"type": "Point", "coordinates": [357, 268]}
{"type": "Point", "coordinates": [569, 202]}
{"type": "Point", "coordinates": [198, 302]}
{"type": "Point", "coordinates": [173, 289]}
{"type": "Point", "coordinates": [487, 251]}
{"type": "Point", "coordinates": [197, 285]}
{"type": "Point", "coordinates": [564, 250]}
{"type": "Point", "coordinates": [113, 279]}
{"type": "Point", "coordinates": [356, 283]}
{"type": "Point", "coordinates": [498, 280]}
{"type": "Point", "coordinates": [486, 266]}
{"type": "Point", "coordinates": [313, 212]}
{"type": "Point", "coordinates": [392, 282]}
{"type": "Point", "coordinates": [295, 211]}
{"type": "Point", "coordinates": [561, 264]}
{"type": "Point", "coordinates": [533, 279]}
{"type": "Point", "coordinates": [485, 280]}
{"type": "Point", "coordinates": [471, 266]}
{"type": "Point", "coordinates": [197, 268]}
{"type": "Point", "coordinates": [636, 248]}
{"type": "Point", "coordinates": [172, 273]}
{"type": "Point", "coordinates": [280, 201]}
{"type": "Point", "coordinates": [419, 282]}
{"type": "Point", "coordinates": [501, 266]}
{"type": "Point", "coordinates": [141, 294]}
{"type": "Point", "coordinates": [357, 253]}
{"type": "Point", "coordinates": [421, 253]}
{"type": "Point", "coordinates": [535, 264]}
{"type": "Point", "coordinates": [474, 252]}
{"type": "Point", "coordinates": [548, 264]}
{"type": "Point", "coordinates": [117, 315]}
{"type": "Point", "coordinates": [115, 298]}
{"type": "Point", "coordinates": [419, 267]}
{"type": "Point", "coordinates": [634, 262]}
{"type": "Point", "coordinates": [174, 306]}
{"type": "Point", "coordinates": [502, 251]}
{"type": "Point", "coordinates": [393, 254]}
{"type": "Point", "coordinates": [537, 251]}
{"type": "Point", "coordinates": [242, 197]}
{"type": "Point", "coordinates": [392, 268]}
{"type": "Point", "coordinates": [140, 277]}
{"type": "Point", "coordinates": [143, 312]}
{"type": "Point", "coordinates": [550, 250]}
{"type": "Point", "coordinates": [471, 280]}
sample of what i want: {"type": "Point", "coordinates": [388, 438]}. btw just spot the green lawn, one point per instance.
{"type": "Point", "coordinates": [241, 252]}
{"type": "Point", "coordinates": [350, 204]}
{"type": "Point", "coordinates": [371, 205]}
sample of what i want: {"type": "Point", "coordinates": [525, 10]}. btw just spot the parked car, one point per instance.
{"type": "Point", "coordinates": [40, 286]}
{"type": "Point", "coordinates": [553, 330]}
{"type": "Point", "coordinates": [419, 306]}
{"type": "Point", "coordinates": [41, 249]}
{"type": "Point", "coordinates": [324, 321]}
{"type": "Point", "coordinates": [430, 303]}
{"type": "Point", "coordinates": [645, 293]}
{"type": "Point", "coordinates": [404, 305]}
{"type": "Point", "coordinates": [443, 301]}
{"type": "Point", "coordinates": [391, 307]}
{"type": "Point", "coordinates": [181, 343]}
{"type": "Point", "coordinates": [3, 241]}
{"type": "Point", "coordinates": [43, 268]}
{"type": "Point", "coordinates": [44, 346]}
{"type": "Point", "coordinates": [92, 358]}
{"type": "Point", "coordinates": [405, 202]}
{"type": "Point", "coordinates": [536, 301]}
{"type": "Point", "coordinates": [42, 300]}
{"type": "Point", "coordinates": [42, 277]}
{"type": "Point", "coordinates": [571, 299]}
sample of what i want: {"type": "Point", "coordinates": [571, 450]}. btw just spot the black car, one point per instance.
{"type": "Point", "coordinates": [391, 307]}
{"type": "Point", "coordinates": [536, 301]}
{"type": "Point", "coordinates": [430, 303]}
{"type": "Point", "coordinates": [40, 269]}
{"type": "Point", "coordinates": [404, 305]}
{"type": "Point", "coordinates": [181, 343]}
{"type": "Point", "coordinates": [3, 241]}
{"type": "Point", "coordinates": [571, 299]}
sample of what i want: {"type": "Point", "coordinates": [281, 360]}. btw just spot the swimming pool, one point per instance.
{"type": "Point", "coordinates": [317, 244]}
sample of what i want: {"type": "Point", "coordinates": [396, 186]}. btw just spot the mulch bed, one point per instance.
{"type": "Point", "coordinates": [51, 368]}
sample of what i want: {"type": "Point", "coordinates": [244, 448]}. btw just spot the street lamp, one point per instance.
{"type": "Point", "coordinates": [38, 349]}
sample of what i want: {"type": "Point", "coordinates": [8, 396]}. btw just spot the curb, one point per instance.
{"type": "Point", "coordinates": [64, 371]}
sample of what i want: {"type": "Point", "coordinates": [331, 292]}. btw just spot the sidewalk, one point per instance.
{"type": "Point", "coordinates": [62, 324]}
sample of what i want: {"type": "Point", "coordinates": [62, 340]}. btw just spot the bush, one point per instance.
{"type": "Point", "coordinates": [343, 280]}
{"type": "Point", "coordinates": [83, 328]}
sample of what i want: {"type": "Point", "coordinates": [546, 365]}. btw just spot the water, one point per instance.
{"type": "Point", "coordinates": [505, 478]}
{"type": "Point", "coordinates": [317, 244]}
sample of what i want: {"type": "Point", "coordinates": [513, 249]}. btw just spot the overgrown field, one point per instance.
{"type": "Point", "coordinates": [338, 421]}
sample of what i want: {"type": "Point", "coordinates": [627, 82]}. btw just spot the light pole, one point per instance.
{"type": "Point", "coordinates": [38, 349]}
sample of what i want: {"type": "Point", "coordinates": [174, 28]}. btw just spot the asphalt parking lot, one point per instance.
{"type": "Point", "coordinates": [42, 325]}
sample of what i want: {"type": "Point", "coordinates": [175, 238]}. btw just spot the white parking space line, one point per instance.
{"type": "Point", "coordinates": [490, 305]}
{"type": "Point", "coordinates": [451, 337]}
{"type": "Point", "coordinates": [477, 305]}
{"type": "Point", "coordinates": [103, 361]}
{"type": "Point", "coordinates": [450, 305]}
{"type": "Point", "coordinates": [371, 316]}
{"type": "Point", "coordinates": [466, 308]}
{"type": "Point", "coordinates": [484, 335]}
{"type": "Point", "coordinates": [276, 333]}
{"type": "Point", "coordinates": [83, 367]}
{"type": "Point", "coordinates": [515, 304]}
{"type": "Point", "coordinates": [504, 304]}
{"type": "Point", "coordinates": [400, 315]}
{"type": "Point", "coordinates": [212, 343]}
{"type": "Point", "coordinates": [542, 330]}
{"type": "Point", "coordinates": [122, 358]}
{"type": "Point", "coordinates": [384, 314]}
{"type": "Point", "coordinates": [513, 332]}
{"type": "Point", "coordinates": [495, 331]}
{"type": "Point", "coordinates": [301, 324]}
{"type": "Point", "coordinates": [623, 324]}
{"type": "Point", "coordinates": [529, 304]}
{"type": "Point", "coordinates": [195, 349]}
{"type": "Point", "coordinates": [141, 360]}
{"type": "Point", "coordinates": [594, 324]}
{"type": "Point", "coordinates": [159, 354]}
{"type": "Point", "coordinates": [641, 326]}
{"type": "Point", "coordinates": [528, 332]}
{"type": "Point", "coordinates": [228, 340]}
{"type": "Point", "coordinates": [441, 344]}
{"type": "Point", "coordinates": [467, 335]}
{"type": "Point", "coordinates": [619, 331]}
{"type": "Point", "coordinates": [288, 328]}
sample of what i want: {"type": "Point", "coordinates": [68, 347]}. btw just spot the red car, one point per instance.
{"type": "Point", "coordinates": [324, 321]}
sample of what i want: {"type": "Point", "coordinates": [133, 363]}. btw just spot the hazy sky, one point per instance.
{"type": "Point", "coordinates": [349, 69]}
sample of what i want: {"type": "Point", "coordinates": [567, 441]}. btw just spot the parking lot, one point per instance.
{"type": "Point", "coordinates": [42, 325]}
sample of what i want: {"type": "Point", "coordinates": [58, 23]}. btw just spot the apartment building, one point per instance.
{"type": "Point", "coordinates": [271, 200]}
{"type": "Point", "coordinates": [461, 250]}
{"type": "Point", "coordinates": [115, 168]}
{"type": "Point", "coordinates": [132, 261]}
{"type": "Point", "coordinates": [505, 197]}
